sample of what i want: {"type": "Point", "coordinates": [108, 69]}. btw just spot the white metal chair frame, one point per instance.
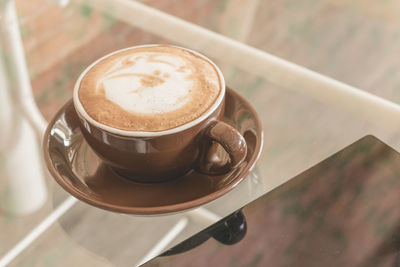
{"type": "Point", "coordinates": [363, 104]}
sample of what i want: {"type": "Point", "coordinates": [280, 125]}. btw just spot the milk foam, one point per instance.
{"type": "Point", "coordinates": [149, 83]}
{"type": "Point", "coordinates": [152, 88]}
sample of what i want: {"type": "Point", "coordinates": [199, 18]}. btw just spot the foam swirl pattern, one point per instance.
{"type": "Point", "coordinates": [149, 88]}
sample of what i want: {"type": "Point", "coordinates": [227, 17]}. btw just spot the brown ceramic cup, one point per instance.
{"type": "Point", "coordinates": [163, 155]}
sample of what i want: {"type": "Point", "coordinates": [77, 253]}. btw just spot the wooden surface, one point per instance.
{"type": "Point", "coordinates": [357, 43]}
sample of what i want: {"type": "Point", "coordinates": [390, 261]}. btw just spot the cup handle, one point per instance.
{"type": "Point", "coordinates": [230, 139]}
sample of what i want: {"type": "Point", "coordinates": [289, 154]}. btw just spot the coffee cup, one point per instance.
{"type": "Point", "coordinates": [153, 112]}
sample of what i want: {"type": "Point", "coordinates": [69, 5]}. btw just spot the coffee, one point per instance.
{"type": "Point", "coordinates": [151, 88]}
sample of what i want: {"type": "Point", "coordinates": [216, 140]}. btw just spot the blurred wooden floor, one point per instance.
{"type": "Point", "coordinates": [357, 43]}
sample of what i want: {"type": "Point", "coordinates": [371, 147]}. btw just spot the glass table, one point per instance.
{"type": "Point", "coordinates": [341, 212]}
{"type": "Point", "coordinates": [307, 117]}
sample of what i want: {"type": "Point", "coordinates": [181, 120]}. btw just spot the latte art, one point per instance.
{"type": "Point", "coordinates": [148, 83]}
{"type": "Point", "coordinates": [151, 88]}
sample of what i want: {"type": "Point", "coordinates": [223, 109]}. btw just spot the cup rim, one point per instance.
{"type": "Point", "coordinates": [83, 114]}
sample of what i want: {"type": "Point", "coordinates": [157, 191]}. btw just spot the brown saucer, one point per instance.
{"type": "Point", "coordinates": [80, 172]}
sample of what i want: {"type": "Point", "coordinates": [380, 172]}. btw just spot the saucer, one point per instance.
{"type": "Point", "coordinates": [81, 172]}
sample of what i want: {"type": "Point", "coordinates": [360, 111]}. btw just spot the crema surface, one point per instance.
{"type": "Point", "coordinates": [149, 88]}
